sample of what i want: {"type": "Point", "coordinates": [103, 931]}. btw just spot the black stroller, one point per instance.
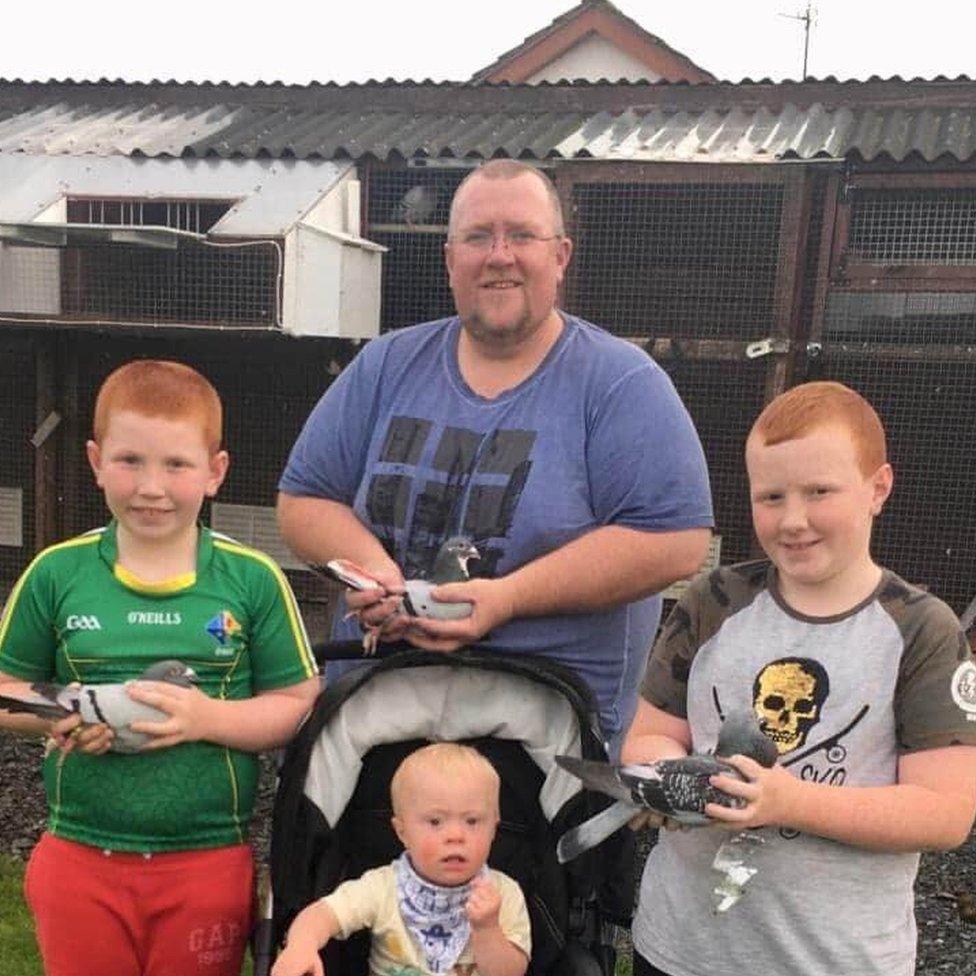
{"type": "Point", "coordinates": [332, 811]}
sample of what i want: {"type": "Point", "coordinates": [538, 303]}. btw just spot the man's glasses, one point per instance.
{"type": "Point", "coordinates": [517, 240]}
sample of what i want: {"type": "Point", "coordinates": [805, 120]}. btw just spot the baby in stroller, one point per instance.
{"type": "Point", "coordinates": [438, 905]}
{"type": "Point", "coordinates": [333, 819]}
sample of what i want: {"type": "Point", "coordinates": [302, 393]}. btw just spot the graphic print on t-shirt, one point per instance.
{"type": "Point", "coordinates": [787, 696]}
{"type": "Point", "coordinates": [468, 483]}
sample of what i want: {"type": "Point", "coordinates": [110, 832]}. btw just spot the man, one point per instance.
{"type": "Point", "coordinates": [563, 452]}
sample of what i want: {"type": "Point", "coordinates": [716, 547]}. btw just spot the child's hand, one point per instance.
{"type": "Point", "coordinates": [767, 794]}
{"type": "Point", "coordinates": [71, 733]}
{"type": "Point", "coordinates": [189, 711]}
{"type": "Point", "coordinates": [483, 904]}
{"type": "Point", "coordinates": [298, 960]}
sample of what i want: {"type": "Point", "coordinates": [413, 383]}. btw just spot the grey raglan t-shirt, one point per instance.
{"type": "Point", "coordinates": [843, 697]}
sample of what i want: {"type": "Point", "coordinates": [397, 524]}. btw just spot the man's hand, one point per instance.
{"type": "Point", "coordinates": [190, 713]}
{"type": "Point", "coordinates": [484, 904]}
{"type": "Point", "coordinates": [377, 610]}
{"type": "Point", "coordinates": [767, 794]}
{"type": "Point", "coordinates": [493, 606]}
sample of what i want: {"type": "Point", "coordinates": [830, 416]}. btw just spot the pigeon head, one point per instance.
{"type": "Point", "coordinates": [451, 565]}
{"type": "Point", "coordinates": [740, 735]}
{"type": "Point", "coordinates": [175, 672]}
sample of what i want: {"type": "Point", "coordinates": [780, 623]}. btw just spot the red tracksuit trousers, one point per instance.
{"type": "Point", "coordinates": [98, 913]}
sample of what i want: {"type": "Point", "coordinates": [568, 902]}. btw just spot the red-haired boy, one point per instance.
{"type": "Point", "coordinates": [145, 869]}
{"type": "Point", "coordinates": [865, 684]}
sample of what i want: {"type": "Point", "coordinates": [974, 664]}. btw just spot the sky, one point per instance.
{"type": "Point", "coordinates": [297, 42]}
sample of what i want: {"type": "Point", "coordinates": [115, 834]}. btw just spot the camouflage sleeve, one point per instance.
{"type": "Point", "coordinates": [706, 604]}
{"type": "Point", "coordinates": [695, 618]}
{"type": "Point", "coordinates": [935, 696]}
{"type": "Point", "coordinates": [665, 683]}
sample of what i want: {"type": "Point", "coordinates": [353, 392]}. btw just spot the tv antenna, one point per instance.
{"type": "Point", "coordinates": [808, 18]}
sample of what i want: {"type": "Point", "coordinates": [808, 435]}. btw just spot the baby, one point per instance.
{"type": "Point", "coordinates": [438, 909]}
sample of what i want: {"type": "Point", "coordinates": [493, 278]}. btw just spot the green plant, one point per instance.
{"type": "Point", "coordinates": [18, 950]}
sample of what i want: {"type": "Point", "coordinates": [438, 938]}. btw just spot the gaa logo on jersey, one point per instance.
{"type": "Point", "coordinates": [964, 688]}
{"type": "Point", "coordinates": [82, 621]}
{"type": "Point", "coordinates": [222, 627]}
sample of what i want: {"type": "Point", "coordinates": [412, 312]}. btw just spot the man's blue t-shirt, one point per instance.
{"type": "Point", "coordinates": [596, 436]}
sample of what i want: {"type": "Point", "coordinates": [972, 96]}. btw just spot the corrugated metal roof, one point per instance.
{"type": "Point", "coordinates": [749, 122]}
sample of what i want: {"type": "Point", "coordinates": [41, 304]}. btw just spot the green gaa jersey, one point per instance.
{"type": "Point", "coordinates": [77, 616]}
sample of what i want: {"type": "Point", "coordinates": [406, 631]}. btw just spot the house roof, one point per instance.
{"type": "Point", "coordinates": [749, 121]}
{"type": "Point", "coordinates": [602, 18]}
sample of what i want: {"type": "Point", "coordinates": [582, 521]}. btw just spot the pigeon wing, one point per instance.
{"type": "Point", "coordinates": [679, 788]}
{"type": "Point", "coordinates": [33, 704]}
{"type": "Point", "coordinates": [352, 575]}
{"type": "Point", "coordinates": [599, 776]}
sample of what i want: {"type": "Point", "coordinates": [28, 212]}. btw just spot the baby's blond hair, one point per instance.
{"type": "Point", "coordinates": [449, 760]}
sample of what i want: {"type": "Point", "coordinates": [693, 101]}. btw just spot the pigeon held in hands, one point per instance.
{"type": "Point", "coordinates": [450, 566]}
{"type": "Point", "coordinates": [678, 789]}
{"type": "Point", "coordinates": [107, 704]}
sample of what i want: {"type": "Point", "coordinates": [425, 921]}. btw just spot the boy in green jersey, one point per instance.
{"type": "Point", "coordinates": [152, 845]}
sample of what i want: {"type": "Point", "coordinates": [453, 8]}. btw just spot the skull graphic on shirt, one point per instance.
{"type": "Point", "coordinates": [788, 695]}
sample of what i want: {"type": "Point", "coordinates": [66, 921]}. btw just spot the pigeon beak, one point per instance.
{"type": "Point", "coordinates": [472, 553]}
{"type": "Point", "coordinates": [190, 674]}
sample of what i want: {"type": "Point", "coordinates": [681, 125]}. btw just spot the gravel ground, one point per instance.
{"type": "Point", "coordinates": [947, 943]}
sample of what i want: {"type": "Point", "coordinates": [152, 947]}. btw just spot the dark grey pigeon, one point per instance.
{"type": "Point", "coordinates": [108, 704]}
{"type": "Point", "coordinates": [679, 789]}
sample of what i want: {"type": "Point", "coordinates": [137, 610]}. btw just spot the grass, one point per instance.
{"type": "Point", "coordinates": [17, 947]}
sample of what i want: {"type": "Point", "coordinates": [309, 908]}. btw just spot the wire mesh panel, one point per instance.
{"type": "Point", "coordinates": [161, 281]}
{"type": "Point", "coordinates": [678, 259]}
{"type": "Point", "coordinates": [407, 212]}
{"type": "Point", "coordinates": [17, 424]}
{"type": "Point", "coordinates": [927, 533]}
{"type": "Point", "coordinates": [724, 399]}
{"type": "Point", "coordinates": [901, 332]}
{"type": "Point", "coordinates": [194, 283]}
{"type": "Point", "coordinates": [913, 226]}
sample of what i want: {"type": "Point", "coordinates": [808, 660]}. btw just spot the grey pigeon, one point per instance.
{"type": "Point", "coordinates": [450, 566]}
{"type": "Point", "coordinates": [108, 704]}
{"type": "Point", "coordinates": [416, 206]}
{"type": "Point", "coordinates": [677, 788]}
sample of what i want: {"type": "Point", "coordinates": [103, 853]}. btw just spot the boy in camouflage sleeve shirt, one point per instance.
{"type": "Point", "coordinates": [152, 846]}
{"type": "Point", "coordinates": [864, 683]}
